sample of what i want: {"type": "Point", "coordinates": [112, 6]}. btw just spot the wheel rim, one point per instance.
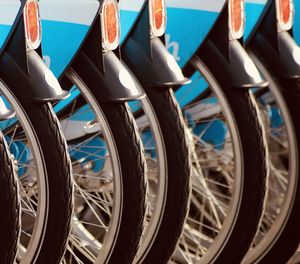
{"type": "Point", "coordinates": [32, 178]}
{"type": "Point", "coordinates": [283, 179]}
{"type": "Point", "coordinates": [98, 183]}
{"type": "Point", "coordinates": [205, 234]}
{"type": "Point", "coordinates": [147, 123]}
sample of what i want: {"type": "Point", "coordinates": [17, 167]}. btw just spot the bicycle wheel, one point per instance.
{"type": "Point", "coordinates": [279, 232]}
{"type": "Point", "coordinates": [43, 169]}
{"type": "Point", "coordinates": [220, 119]}
{"type": "Point", "coordinates": [9, 205]}
{"type": "Point", "coordinates": [169, 185]}
{"type": "Point", "coordinates": [173, 132]}
{"type": "Point", "coordinates": [154, 146]}
{"type": "Point", "coordinates": [110, 177]}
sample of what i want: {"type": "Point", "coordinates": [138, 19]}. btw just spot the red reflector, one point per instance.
{"type": "Point", "coordinates": [285, 14]}
{"type": "Point", "coordinates": [32, 24]}
{"type": "Point", "coordinates": [237, 15]}
{"type": "Point", "coordinates": [110, 24]}
{"type": "Point", "coordinates": [157, 12]}
{"type": "Point", "coordinates": [286, 10]}
{"type": "Point", "coordinates": [236, 18]}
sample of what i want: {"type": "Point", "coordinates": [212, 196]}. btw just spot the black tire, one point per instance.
{"type": "Point", "coordinates": [60, 183]}
{"type": "Point", "coordinates": [178, 165]}
{"type": "Point", "coordinates": [133, 167]}
{"type": "Point", "coordinates": [287, 236]}
{"type": "Point", "coordinates": [56, 163]}
{"type": "Point", "coordinates": [249, 145]}
{"type": "Point", "coordinates": [9, 205]}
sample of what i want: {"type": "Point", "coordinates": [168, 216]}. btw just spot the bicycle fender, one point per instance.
{"type": "Point", "coordinates": [38, 84]}
{"type": "Point", "coordinates": [284, 61]}
{"type": "Point", "coordinates": [237, 70]}
{"type": "Point", "coordinates": [148, 57]}
{"type": "Point", "coordinates": [158, 70]}
{"type": "Point", "coordinates": [115, 82]}
{"type": "Point", "coordinates": [26, 71]}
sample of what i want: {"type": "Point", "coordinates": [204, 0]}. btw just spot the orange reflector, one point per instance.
{"type": "Point", "coordinates": [157, 10]}
{"type": "Point", "coordinates": [285, 14]}
{"type": "Point", "coordinates": [236, 18]}
{"type": "Point", "coordinates": [32, 24]}
{"type": "Point", "coordinates": [110, 24]}
{"type": "Point", "coordinates": [286, 10]}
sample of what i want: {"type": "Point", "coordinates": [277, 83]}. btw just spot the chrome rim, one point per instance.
{"type": "Point", "coordinates": [282, 166]}
{"type": "Point", "coordinates": [217, 177]}
{"type": "Point", "coordinates": [32, 179]}
{"type": "Point", "coordinates": [149, 130]}
{"type": "Point", "coordinates": [98, 181]}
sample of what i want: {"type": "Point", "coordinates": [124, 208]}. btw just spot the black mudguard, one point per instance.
{"type": "Point", "coordinates": [278, 49]}
{"type": "Point", "coordinates": [37, 85]}
{"type": "Point", "coordinates": [104, 71]}
{"type": "Point", "coordinates": [148, 57]}
{"type": "Point", "coordinates": [115, 83]}
{"type": "Point", "coordinates": [227, 58]}
{"type": "Point", "coordinates": [237, 71]}
{"type": "Point", "coordinates": [284, 61]}
{"type": "Point", "coordinates": [25, 70]}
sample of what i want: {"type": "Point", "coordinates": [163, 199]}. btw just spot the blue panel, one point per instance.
{"type": "Point", "coordinates": [186, 31]}
{"type": "Point", "coordinates": [253, 14]}
{"type": "Point", "coordinates": [127, 21]}
{"type": "Point", "coordinates": [60, 43]}
{"type": "Point", "coordinates": [297, 22]}
{"type": "Point", "coordinates": [4, 31]}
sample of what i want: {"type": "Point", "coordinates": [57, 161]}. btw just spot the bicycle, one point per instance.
{"type": "Point", "coordinates": [80, 64]}
{"type": "Point", "coordinates": [40, 155]}
{"type": "Point", "coordinates": [107, 154]}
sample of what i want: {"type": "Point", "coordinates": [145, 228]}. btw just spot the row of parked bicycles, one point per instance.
{"type": "Point", "coordinates": [149, 131]}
